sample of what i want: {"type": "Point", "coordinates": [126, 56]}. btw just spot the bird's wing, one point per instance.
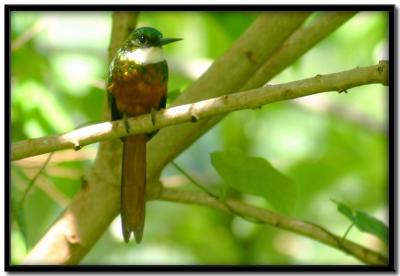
{"type": "Point", "coordinates": [112, 104]}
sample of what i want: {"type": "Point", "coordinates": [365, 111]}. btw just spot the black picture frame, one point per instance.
{"type": "Point", "coordinates": [392, 134]}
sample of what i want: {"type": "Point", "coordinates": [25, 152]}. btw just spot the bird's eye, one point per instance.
{"type": "Point", "coordinates": [142, 39]}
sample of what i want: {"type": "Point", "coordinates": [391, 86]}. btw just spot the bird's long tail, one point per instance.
{"type": "Point", "coordinates": [133, 186]}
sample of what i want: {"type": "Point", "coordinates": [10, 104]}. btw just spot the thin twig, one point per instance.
{"type": "Point", "coordinates": [204, 189]}
{"type": "Point", "coordinates": [33, 180]}
{"type": "Point", "coordinates": [347, 231]}
{"type": "Point", "coordinates": [203, 109]}
{"type": "Point", "coordinates": [340, 243]}
{"type": "Point", "coordinates": [30, 33]}
{"type": "Point", "coordinates": [304, 228]}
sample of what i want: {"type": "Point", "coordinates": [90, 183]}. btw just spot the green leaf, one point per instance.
{"type": "Point", "coordinates": [365, 222]}
{"type": "Point", "coordinates": [346, 211]}
{"type": "Point", "coordinates": [369, 224]}
{"type": "Point", "coordinates": [19, 216]}
{"type": "Point", "coordinates": [255, 175]}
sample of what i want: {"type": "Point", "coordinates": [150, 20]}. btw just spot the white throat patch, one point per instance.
{"type": "Point", "coordinates": [145, 56]}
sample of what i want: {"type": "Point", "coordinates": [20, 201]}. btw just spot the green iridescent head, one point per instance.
{"type": "Point", "coordinates": [146, 37]}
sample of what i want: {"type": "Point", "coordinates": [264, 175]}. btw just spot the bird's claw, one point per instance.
{"type": "Point", "coordinates": [153, 116]}
{"type": "Point", "coordinates": [126, 123]}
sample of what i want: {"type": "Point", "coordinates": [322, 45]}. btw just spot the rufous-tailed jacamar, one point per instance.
{"type": "Point", "coordinates": [137, 84]}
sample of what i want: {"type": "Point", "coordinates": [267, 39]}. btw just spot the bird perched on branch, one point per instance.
{"type": "Point", "coordinates": [137, 84]}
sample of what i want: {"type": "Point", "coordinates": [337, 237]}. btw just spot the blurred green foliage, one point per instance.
{"type": "Point", "coordinates": [331, 146]}
{"type": "Point", "coordinates": [255, 176]}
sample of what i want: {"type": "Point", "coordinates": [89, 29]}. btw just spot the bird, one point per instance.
{"type": "Point", "coordinates": [137, 84]}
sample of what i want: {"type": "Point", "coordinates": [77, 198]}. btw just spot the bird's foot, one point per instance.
{"type": "Point", "coordinates": [153, 116]}
{"type": "Point", "coordinates": [153, 121]}
{"type": "Point", "coordinates": [126, 123]}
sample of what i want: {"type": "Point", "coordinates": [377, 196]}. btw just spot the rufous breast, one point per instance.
{"type": "Point", "coordinates": [139, 88]}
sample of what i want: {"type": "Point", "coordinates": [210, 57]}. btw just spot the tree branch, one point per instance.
{"type": "Point", "coordinates": [123, 23]}
{"type": "Point", "coordinates": [182, 136]}
{"type": "Point", "coordinates": [304, 228]}
{"type": "Point", "coordinates": [204, 109]}
{"type": "Point", "coordinates": [298, 44]}
{"type": "Point", "coordinates": [81, 224]}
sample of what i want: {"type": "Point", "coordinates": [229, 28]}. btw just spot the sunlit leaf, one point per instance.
{"type": "Point", "coordinates": [255, 175]}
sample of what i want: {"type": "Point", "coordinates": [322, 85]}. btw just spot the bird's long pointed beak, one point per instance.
{"type": "Point", "coordinates": [164, 41]}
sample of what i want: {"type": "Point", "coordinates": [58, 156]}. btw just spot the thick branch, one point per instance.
{"type": "Point", "coordinates": [204, 109]}
{"type": "Point", "coordinates": [123, 23]}
{"type": "Point", "coordinates": [178, 138]}
{"type": "Point", "coordinates": [84, 220]}
{"type": "Point", "coordinates": [304, 228]}
{"type": "Point", "coordinates": [298, 44]}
